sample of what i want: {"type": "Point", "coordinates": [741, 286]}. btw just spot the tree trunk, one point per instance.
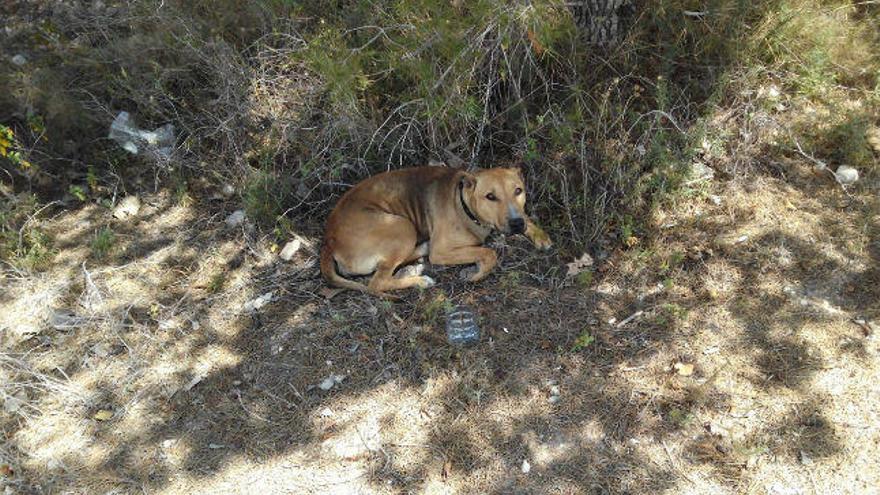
{"type": "Point", "coordinates": [601, 22]}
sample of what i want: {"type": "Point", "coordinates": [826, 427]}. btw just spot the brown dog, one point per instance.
{"type": "Point", "coordinates": [397, 217]}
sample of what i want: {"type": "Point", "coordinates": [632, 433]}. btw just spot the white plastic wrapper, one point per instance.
{"type": "Point", "coordinates": [134, 140]}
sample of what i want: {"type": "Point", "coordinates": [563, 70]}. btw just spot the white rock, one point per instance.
{"type": "Point", "coordinates": [128, 207]}
{"type": "Point", "coordinates": [846, 174]}
{"type": "Point", "coordinates": [526, 467]}
{"type": "Point", "coordinates": [806, 460]}
{"type": "Point", "coordinates": [19, 60]}
{"type": "Point", "coordinates": [716, 200]}
{"type": "Point", "coordinates": [330, 382]}
{"type": "Point", "coordinates": [227, 190]}
{"type": "Point", "coordinates": [235, 219]}
{"type": "Point", "coordinates": [255, 304]}
{"type": "Point", "coordinates": [290, 249]}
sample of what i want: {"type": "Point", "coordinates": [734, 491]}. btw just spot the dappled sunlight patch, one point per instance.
{"type": "Point", "coordinates": [27, 304]}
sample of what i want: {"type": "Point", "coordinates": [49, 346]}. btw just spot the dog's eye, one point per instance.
{"type": "Point", "coordinates": [491, 197]}
{"type": "Point", "coordinates": [517, 191]}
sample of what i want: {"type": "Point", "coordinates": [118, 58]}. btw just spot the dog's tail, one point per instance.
{"type": "Point", "coordinates": [332, 277]}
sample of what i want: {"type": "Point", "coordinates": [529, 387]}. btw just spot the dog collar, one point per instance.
{"type": "Point", "coordinates": [467, 211]}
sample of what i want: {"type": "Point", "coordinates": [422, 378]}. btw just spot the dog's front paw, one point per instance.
{"type": "Point", "coordinates": [426, 282]}
{"type": "Point", "coordinates": [541, 240]}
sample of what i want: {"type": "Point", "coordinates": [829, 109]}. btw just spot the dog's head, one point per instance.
{"type": "Point", "coordinates": [497, 197]}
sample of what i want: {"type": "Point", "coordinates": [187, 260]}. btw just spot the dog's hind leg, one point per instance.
{"type": "Point", "coordinates": [383, 280]}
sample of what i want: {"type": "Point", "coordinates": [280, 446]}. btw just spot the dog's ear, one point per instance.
{"type": "Point", "coordinates": [468, 181]}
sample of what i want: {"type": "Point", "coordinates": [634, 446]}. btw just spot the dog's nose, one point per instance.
{"type": "Point", "coordinates": [517, 225]}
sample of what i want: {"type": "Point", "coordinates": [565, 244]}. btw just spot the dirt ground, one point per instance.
{"type": "Point", "coordinates": [730, 349]}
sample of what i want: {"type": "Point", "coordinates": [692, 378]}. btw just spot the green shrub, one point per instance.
{"type": "Point", "coordinates": [103, 242]}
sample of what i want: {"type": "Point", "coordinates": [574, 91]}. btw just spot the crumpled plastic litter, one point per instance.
{"type": "Point", "coordinates": [159, 142]}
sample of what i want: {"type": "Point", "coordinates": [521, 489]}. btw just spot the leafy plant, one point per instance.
{"type": "Point", "coordinates": [583, 341]}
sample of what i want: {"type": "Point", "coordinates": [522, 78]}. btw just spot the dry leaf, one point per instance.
{"type": "Point", "coordinates": [6, 471]}
{"type": "Point", "coordinates": [329, 293]}
{"type": "Point", "coordinates": [103, 415]}
{"type": "Point", "coordinates": [684, 369]}
{"type": "Point", "coordinates": [536, 45]}
{"type": "Point", "coordinates": [579, 265]}
{"type": "Point", "coordinates": [447, 469]}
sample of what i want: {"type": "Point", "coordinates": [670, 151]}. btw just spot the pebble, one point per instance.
{"type": "Point", "coordinates": [330, 382]}
{"type": "Point", "coordinates": [19, 60]}
{"type": "Point", "coordinates": [290, 249]}
{"type": "Point", "coordinates": [235, 219]}
{"type": "Point", "coordinates": [846, 174]}
{"type": "Point", "coordinates": [255, 304]}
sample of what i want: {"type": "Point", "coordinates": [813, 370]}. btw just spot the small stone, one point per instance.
{"type": "Point", "coordinates": [715, 199]}
{"type": "Point", "coordinates": [128, 207]}
{"type": "Point", "coordinates": [19, 60]}
{"type": "Point", "coordinates": [259, 302]}
{"type": "Point", "coordinates": [553, 399]}
{"type": "Point", "coordinates": [103, 415]}
{"type": "Point", "coordinates": [330, 382]}
{"type": "Point", "coordinates": [326, 413]}
{"type": "Point", "coordinates": [235, 219]}
{"type": "Point", "coordinates": [526, 467]}
{"type": "Point", "coordinates": [227, 190]}
{"type": "Point", "coordinates": [846, 174]}
{"type": "Point", "coordinates": [805, 458]}
{"type": "Point", "coordinates": [684, 369]}
{"type": "Point", "coordinates": [554, 390]}
{"type": "Point", "coordinates": [168, 443]}
{"type": "Point", "coordinates": [290, 249]}
{"type": "Point", "coordinates": [215, 446]}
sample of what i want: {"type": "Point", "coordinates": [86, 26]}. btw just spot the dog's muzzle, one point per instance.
{"type": "Point", "coordinates": [516, 225]}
